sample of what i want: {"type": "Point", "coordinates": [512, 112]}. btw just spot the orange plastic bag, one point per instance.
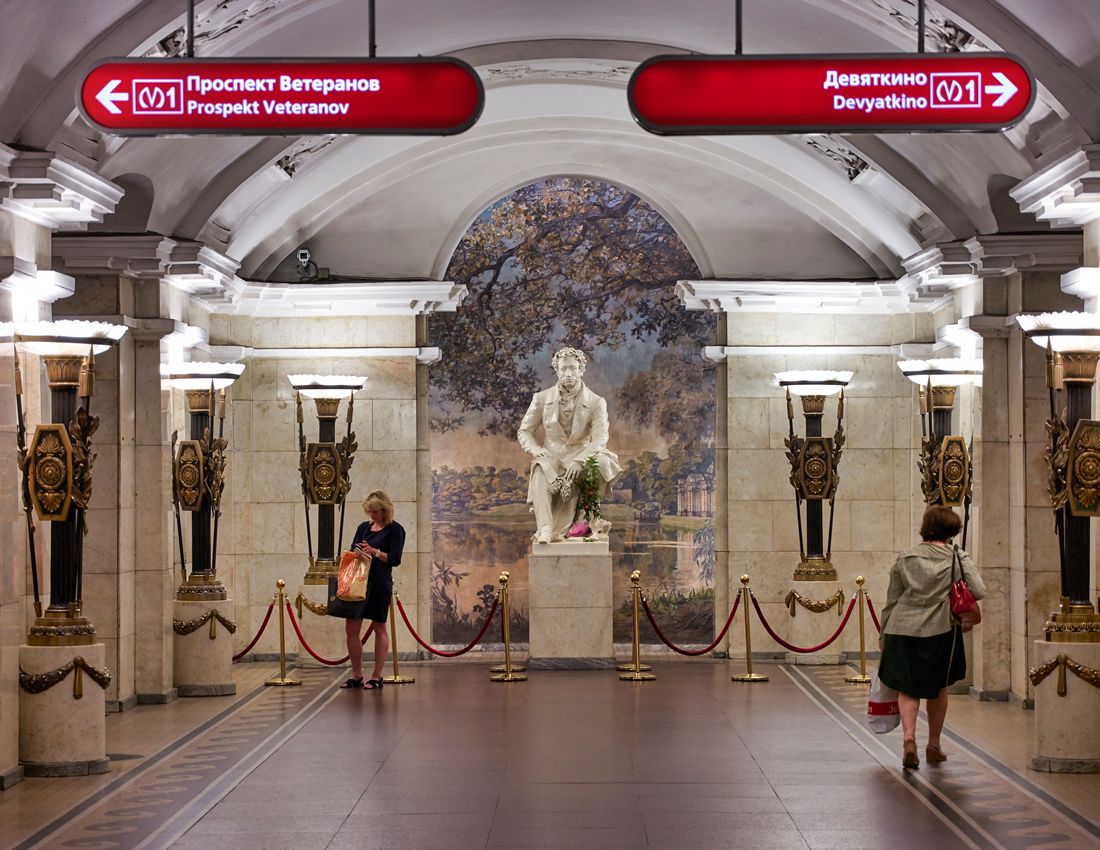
{"type": "Point", "coordinates": [351, 577]}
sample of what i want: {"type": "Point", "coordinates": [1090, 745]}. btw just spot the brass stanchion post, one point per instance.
{"type": "Point", "coordinates": [282, 680]}
{"type": "Point", "coordinates": [862, 678]}
{"type": "Point", "coordinates": [508, 675]}
{"type": "Point", "coordinates": [396, 678]}
{"type": "Point", "coordinates": [634, 672]}
{"type": "Point", "coordinates": [747, 676]}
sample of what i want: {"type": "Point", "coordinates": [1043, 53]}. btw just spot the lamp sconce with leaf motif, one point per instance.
{"type": "Point", "coordinates": [815, 462]}
{"type": "Point", "coordinates": [1072, 456]}
{"type": "Point", "coordinates": [325, 466]}
{"type": "Point", "coordinates": [946, 460]}
{"type": "Point", "coordinates": [56, 466]}
{"type": "Point", "coordinates": [198, 470]}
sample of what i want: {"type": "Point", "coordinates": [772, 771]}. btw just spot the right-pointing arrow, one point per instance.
{"type": "Point", "coordinates": [1006, 89]}
{"type": "Point", "coordinates": [107, 96]}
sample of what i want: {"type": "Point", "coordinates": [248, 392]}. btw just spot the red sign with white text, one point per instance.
{"type": "Point", "coordinates": [414, 96]}
{"type": "Point", "coordinates": [704, 95]}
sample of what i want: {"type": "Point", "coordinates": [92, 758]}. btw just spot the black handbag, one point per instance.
{"type": "Point", "coordinates": [341, 608]}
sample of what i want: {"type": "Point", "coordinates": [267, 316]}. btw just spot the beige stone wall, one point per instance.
{"type": "Point", "coordinates": [878, 502]}
{"type": "Point", "coordinates": [263, 534]}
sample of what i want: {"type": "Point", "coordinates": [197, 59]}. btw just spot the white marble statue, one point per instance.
{"type": "Point", "coordinates": [574, 424]}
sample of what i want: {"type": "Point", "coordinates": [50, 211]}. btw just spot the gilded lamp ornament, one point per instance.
{"type": "Point", "coordinates": [198, 471]}
{"type": "Point", "coordinates": [56, 466]}
{"type": "Point", "coordinates": [815, 462]}
{"type": "Point", "coordinates": [1072, 456]}
{"type": "Point", "coordinates": [325, 466]}
{"type": "Point", "coordinates": [946, 460]}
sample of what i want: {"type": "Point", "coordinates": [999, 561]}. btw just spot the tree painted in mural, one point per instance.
{"type": "Point", "coordinates": [580, 262]}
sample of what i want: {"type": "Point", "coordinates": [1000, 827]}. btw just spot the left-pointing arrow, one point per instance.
{"type": "Point", "coordinates": [107, 96]}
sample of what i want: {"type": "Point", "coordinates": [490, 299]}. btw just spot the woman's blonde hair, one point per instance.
{"type": "Point", "coordinates": [379, 501]}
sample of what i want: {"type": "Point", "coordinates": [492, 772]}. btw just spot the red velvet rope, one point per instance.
{"type": "Point", "coordinates": [791, 646]}
{"type": "Point", "coordinates": [302, 640]}
{"type": "Point", "coordinates": [874, 617]}
{"type": "Point", "coordinates": [263, 626]}
{"type": "Point", "coordinates": [704, 650]}
{"type": "Point", "coordinates": [445, 653]}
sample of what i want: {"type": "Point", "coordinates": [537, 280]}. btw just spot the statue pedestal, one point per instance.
{"type": "Point", "coordinates": [1065, 726]}
{"type": "Point", "coordinates": [570, 605]}
{"type": "Point", "coordinates": [324, 634]}
{"type": "Point", "coordinates": [204, 655]}
{"type": "Point", "coordinates": [810, 628]}
{"type": "Point", "coordinates": [61, 734]}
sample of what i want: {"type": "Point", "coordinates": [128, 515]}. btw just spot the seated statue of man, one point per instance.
{"type": "Point", "coordinates": [574, 424]}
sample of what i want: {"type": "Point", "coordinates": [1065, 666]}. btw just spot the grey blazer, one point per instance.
{"type": "Point", "coordinates": [916, 599]}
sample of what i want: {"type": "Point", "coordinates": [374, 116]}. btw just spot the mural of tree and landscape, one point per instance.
{"type": "Point", "coordinates": [579, 262]}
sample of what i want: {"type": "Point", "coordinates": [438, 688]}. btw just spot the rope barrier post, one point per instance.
{"type": "Point", "coordinates": [747, 676]}
{"type": "Point", "coordinates": [281, 680]}
{"type": "Point", "coordinates": [396, 678]}
{"type": "Point", "coordinates": [508, 675]}
{"type": "Point", "coordinates": [634, 672]}
{"type": "Point", "coordinates": [501, 668]}
{"type": "Point", "coordinates": [862, 678]}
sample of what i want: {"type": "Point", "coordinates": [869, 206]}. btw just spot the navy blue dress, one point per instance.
{"type": "Point", "coordinates": [391, 540]}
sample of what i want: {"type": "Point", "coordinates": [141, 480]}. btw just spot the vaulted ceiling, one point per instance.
{"type": "Point", "coordinates": [555, 73]}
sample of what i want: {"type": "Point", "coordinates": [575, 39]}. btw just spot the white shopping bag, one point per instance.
{"type": "Point", "coordinates": [882, 707]}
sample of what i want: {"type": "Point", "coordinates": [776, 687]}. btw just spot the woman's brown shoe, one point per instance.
{"type": "Point", "coordinates": [909, 755]}
{"type": "Point", "coordinates": [934, 755]}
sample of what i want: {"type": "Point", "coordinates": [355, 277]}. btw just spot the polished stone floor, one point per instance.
{"type": "Point", "coordinates": [566, 759]}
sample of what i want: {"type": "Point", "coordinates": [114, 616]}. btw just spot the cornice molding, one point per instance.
{"type": "Point", "coordinates": [903, 351]}
{"type": "Point", "coordinates": [952, 265]}
{"type": "Point", "coordinates": [367, 298]}
{"type": "Point", "coordinates": [425, 355]}
{"type": "Point", "coordinates": [883, 297]}
{"type": "Point", "coordinates": [142, 256]}
{"type": "Point", "coordinates": [53, 192]}
{"type": "Point", "coordinates": [43, 285]}
{"type": "Point", "coordinates": [1065, 193]}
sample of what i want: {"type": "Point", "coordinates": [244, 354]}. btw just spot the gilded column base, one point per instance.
{"type": "Point", "coordinates": [62, 714]}
{"type": "Point", "coordinates": [320, 570]}
{"type": "Point", "coordinates": [61, 628]}
{"type": "Point", "coordinates": [202, 587]}
{"type": "Point", "coordinates": [1073, 624]}
{"type": "Point", "coordinates": [815, 569]}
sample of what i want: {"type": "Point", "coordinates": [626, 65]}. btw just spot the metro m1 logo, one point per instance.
{"type": "Point", "coordinates": [157, 97]}
{"type": "Point", "coordinates": [673, 95]}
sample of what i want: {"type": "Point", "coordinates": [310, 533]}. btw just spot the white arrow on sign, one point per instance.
{"type": "Point", "coordinates": [1006, 89]}
{"type": "Point", "coordinates": [107, 96]}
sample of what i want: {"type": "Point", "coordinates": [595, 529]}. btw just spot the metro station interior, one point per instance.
{"type": "Point", "coordinates": [216, 343]}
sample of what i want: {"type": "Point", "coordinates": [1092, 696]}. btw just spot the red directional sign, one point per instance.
{"type": "Point", "coordinates": [144, 97]}
{"type": "Point", "coordinates": [699, 95]}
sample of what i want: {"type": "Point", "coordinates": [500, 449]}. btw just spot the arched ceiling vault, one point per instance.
{"type": "Point", "coordinates": [555, 77]}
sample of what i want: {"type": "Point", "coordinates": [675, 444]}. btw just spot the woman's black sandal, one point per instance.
{"type": "Point", "coordinates": [353, 683]}
{"type": "Point", "coordinates": [373, 685]}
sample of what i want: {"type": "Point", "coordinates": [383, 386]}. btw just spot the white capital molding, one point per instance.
{"type": "Point", "coordinates": [988, 327]}
{"type": "Point", "coordinates": [1065, 193]}
{"type": "Point", "coordinates": [368, 298]}
{"type": "Point", "coordinates": [28, 281]}
{"type": "Point", "coordinates": [953, 265]}
{"type": "Point", "coordinates": [1083, 282]}
{"type": "Point", "coordinates": [883, 297]}
{"type": "Point", "coordinates": [52, 191]}
{"type": "Point", "coordinates": [904, 351]}
{"type": "Point", "coordinates": [232, 353]}
{"type": "Point", "coordinates": [142, 256]}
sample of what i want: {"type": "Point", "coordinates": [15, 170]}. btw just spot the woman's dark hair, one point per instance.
{"type": "Point", "coordinates": [939, 523]}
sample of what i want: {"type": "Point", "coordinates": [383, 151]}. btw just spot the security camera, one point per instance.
{"type": "Point", "coordinates": [303, 255]}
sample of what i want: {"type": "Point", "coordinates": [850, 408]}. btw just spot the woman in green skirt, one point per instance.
{"type": "Point", "coordinates": [922, 647]}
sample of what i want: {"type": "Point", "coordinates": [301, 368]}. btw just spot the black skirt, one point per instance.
{"type": "Point", "coordinates": [921, 667]}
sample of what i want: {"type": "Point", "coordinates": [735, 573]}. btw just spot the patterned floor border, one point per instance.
{"type": "Point", "coordinates": [987, 803]}
{"type": "Point", "coordinates": [155, 804]}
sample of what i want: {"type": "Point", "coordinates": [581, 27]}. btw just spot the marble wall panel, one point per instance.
{"type": "Point", "coordinates": [275, 477]}
{"type": "Point", "coordinates": [802, 329]}
{"type": "Point", "coordinates": [390, 420]}
{"type": "Point", "coordinates": [756, 474]}
{"type": "Point", "coordinates": [273, 528]}
{"type": "Point", "coordinates": [751, 329]}
{"type": "Point", "coordinates": [391, 471]}
{"type": "Point", "coordinates": [750, 525]}
{"type": "Point", "coordinates": [863, 330]}
{"type": "Point", "coordinates": [869, 423]}
{"type": "Point", "coordinates": [386, 377]}
{"type": "Point", "coordinates": [273, 425]}
{"type": "Point", "coordinates": [754, 377]}
{"type": "Point", "coordinates": [867, 473]}
{"type": "Point", "coordinates": [265, 378]}
{"type": "Point", "coordinates": [391, 331]}
{"type": "Point", "coordinates": [153, 622]}
{"type": "Point", "coordinates": [872, 525]}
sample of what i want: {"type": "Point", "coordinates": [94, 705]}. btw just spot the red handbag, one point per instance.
{"type": "Point", "coordinates": [964, 607]}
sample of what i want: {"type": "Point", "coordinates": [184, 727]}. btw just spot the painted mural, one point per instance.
{"type": "Point", "coordinates": [578, 262]}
